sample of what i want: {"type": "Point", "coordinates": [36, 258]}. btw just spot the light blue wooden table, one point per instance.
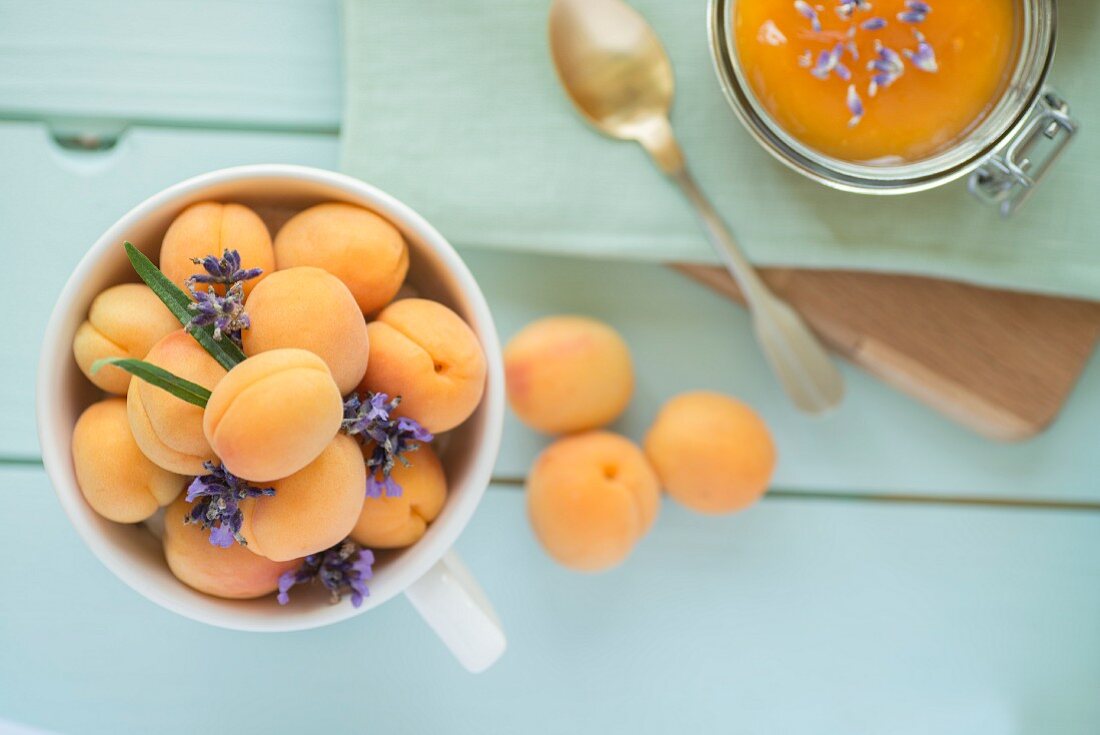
{"type": "Point", "coordinates": [904, 576]}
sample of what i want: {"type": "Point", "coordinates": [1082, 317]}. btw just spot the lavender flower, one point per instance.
{"type": "Point", "coordinates": [873, 24]}
{"type": "Point", "coordinates": [915, 12]}
{"type": "Point", "coordinates": [808, 12]}
{"type": "Point", "coordinates": [343, 568]}
{"type": "Point", "coordinates": [225, 270]}
{"type": "Point", "coordinates": [855, 106]}
{"type": "Point", "coordinates": [887, 66]}
{"type": "Point", "coordinates": [391, 438]}
{"type": "Point", "coordinates": [225, 313]}
{"type": "Point", "coordinates": [218, 494]}
{"type": "Point", "coordinates": [827, 62]}
{"type": "Point", "coordinates": [924, 58]}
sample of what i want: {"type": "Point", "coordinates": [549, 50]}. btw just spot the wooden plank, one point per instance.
{"type": "Point", "coordinates": [54, 203]}
{"type": "Point", "coordinates": [260, 63]}
{"type": "Point", "coordinates": [795, 617]}
{"type": "Point", "coordinates": [1001, 362]}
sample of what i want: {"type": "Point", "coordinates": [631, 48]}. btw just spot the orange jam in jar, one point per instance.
{"type": "Point", "coordinates": [887, 82]}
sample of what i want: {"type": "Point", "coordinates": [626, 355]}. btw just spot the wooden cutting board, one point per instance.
{"type": "Point", "coordinates": [1000, 362]}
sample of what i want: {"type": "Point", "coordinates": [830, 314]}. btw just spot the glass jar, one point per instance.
{"type": "Point", "coordinates": [1005, 155]}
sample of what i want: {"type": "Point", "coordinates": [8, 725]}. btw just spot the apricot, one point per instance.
{"type": "Point", "coordinates": [273, 414]}
{"type": "Point", "coordinates": [354, 244]}
{"type": "Point", "coordinates": [313, 310]}
{"type": "Point", "coordinates": [123, 321]}
{"type": "Point", "coordinates": [424, 352]}
{"type": "Point", "coordinates": [590, 498]}
{"type": "Point", "coordinates": [233, 572]}
{"type": "Point", "coordinates": [169, 429]}
{"type": "Point", "coordinates": [568, 373]}
{"type": "Point", "coordinates": [312, 509]}
{"type": "Point", "coordinates": [211, 228]}
{"type": "Point", "coordinates": [117, 480]}
{"type": "Point", "coordinates": [712, 452]}
{"type": "Point", "coordinates": [394, 522]}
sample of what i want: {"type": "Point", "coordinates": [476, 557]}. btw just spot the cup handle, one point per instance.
{"type": "Point", "coordinates": [452, 603]}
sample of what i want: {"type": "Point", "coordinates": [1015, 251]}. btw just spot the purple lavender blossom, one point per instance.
{"type": "Point", "coordinates": [226, 313]}
{"type": "Point", "coordinates": [225, 270]}
{"type": "Point", "coordinates": [924, 58]}
{"type": "Point", "coordinates": [873, 24]}
{"type": "Point", "coordinates": [842, 71]}
{"type": "Point", "coordinates": [915, 12]}
{"type": "Point", "coordinates": [827, 61]}
{"type": "Point", "coordinates": [218, 494]}
{"type": "Point", "coordinates": [855, 106]}
{"type": "Point", "coordinates": [342, 569]}
{"type": "Point", "coordinates": [390, 438]}
{"type": "Point", "coordinates": [808, 12]}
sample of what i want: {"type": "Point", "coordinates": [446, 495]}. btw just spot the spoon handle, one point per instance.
{"type": "Point", "coordinates": [797, 357]}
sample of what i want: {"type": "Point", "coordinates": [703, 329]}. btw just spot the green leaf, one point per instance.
{"type": "Point", "coordinates": [161, 378]}
{"type": "Point", "coordinates": [225, 351]}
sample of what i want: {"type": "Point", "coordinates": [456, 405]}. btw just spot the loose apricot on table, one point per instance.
{"type": "Point", "coordinates": [712, 452]}
{"type": "Point", "coordinates": [354, 244]}
{"type": "Point", "coordinates": [123, 321]}
{"type": "Point", "coordinates": [168, 429]}
{"type": "Point", "coordinates": [313, 310]}
{"type": "Point", "coordinates": [567, 374]}
{"type": "Point", "coordinates": [211, 228]}
{"type": "Point", "coordinates": [312, 509]}
{"type": "Point", "coordinates": [424, 352]}
{"type": "Point", "coordinates": [117, 480]}
{"type": "Point", "coordinates": [233, 572]}
{"type": "Point", "coordinates": [273, 414]}
{"type": "Point", "coordinates": [395, 522]}
{"type": "Point", "coordinates": [590, 498]}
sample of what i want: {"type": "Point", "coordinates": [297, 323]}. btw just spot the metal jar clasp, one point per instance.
{"type": "Point", "coordinates": [1011, 173]}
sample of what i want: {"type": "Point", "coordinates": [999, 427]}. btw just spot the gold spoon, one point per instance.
{"type": "Point", "coordinates": [618, 75]}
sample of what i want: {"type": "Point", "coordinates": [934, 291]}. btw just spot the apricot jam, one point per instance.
{"type": "Point", "coordinates": [888, 81]}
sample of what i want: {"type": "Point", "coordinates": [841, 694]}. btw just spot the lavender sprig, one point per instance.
{"type": "Point", "coordinates": [342, 569]}
{"type": "Point", "coordinates": [225, 270]}
{"type": "Point", "coordinates": [391, 438]}
{"type": "Point", "coordinates": [219, 493]}
{"type": "Point", "coordinates": [225, 313]}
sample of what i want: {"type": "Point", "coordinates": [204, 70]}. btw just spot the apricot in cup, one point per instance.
{"type": "Point", "coordinates": [211, 228]}
{"type": "Point", "coordinates": [312, 509]}
{"type": "Point", "coordinates": [123, 321]}
{"type": "Point", "coordinates": [117, 480]}
{"type": "Point", "coordinates": [568, 373]}
{"type": "Point", "coordinates": [354, 244]}
{"type": "Point", "coordinates": [168, 429]}
{"type": "Point", "coordinates": [712, 453]}
{"type": "Point", "coordinates": [590, 498]}
{"type": "Point", "coordinates": [394, 522]}
{"type": "Point", "coordinates": [424, 352]}
{"type": "Point", "coordinates": [313, 310]}
{"type": "Point", "coordinates": [233, 572]}
{"type": "Point", "coordinates": [273, 414]}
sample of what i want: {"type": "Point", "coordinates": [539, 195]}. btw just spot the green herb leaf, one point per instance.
{"type": "Point", "coordinates": [161, 378]}
{"type": "Point", "coordinates": [228, 354]}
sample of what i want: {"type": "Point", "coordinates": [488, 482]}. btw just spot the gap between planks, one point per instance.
{"type": "Point", "coordinates": [517, 483]}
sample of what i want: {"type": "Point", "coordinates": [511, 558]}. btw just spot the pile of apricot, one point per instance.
{"type": "Point", "coordinates": [323, 325]}
{"type": "Point", "coordinates": [592, 494]}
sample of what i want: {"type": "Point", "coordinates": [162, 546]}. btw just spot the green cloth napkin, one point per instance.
{"type": "Point", "coordinates": [453, 106]}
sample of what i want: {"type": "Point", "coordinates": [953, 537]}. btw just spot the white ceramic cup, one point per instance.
{"type": "Point", "coordinates": [429, 573]}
